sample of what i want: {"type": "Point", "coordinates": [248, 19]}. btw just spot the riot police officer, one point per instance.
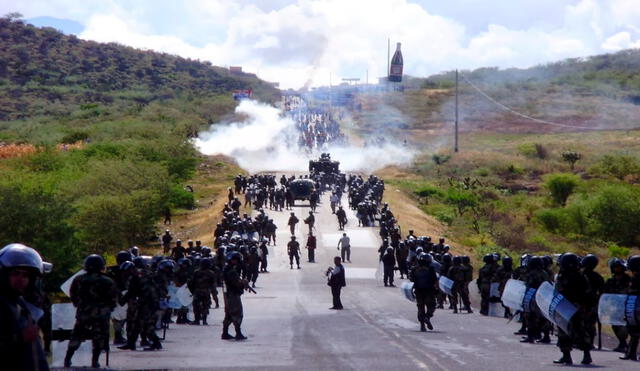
{"type": "Point", "coordinates": [20, 346]}
{"type": "Point", "coordinates": [234, 288]}
{"type": "Point", "coordinates": [425, 288]}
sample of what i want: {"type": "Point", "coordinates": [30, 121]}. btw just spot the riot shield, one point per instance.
{"type": "Point", "coordinates": [513, 294]}
{"type": "Point", "coordinates": [63, 318]}
{"type": "Point", "coordinates": [611, 309]}
{"type": "Point", "coordinates": [66, 286]}
{"type": "Point", "coordinates": [446, 285]}
{"type": "Point", "coordinates": [554, 306]}
{"type": "Point", "coordinates": [494, 292]}
{"type": "Point", "coordinates": [174, 302]}
{"type": "Point", "coordinates": [529, 300]}
{"type": "Point", "coordinates": [407, 291]}
{"type": "Point", "coordinates": [632, 310]}
{"type": "Point", "coordinates": [436, 266]}
{"type": "Point", "coordinates": [184, 295]}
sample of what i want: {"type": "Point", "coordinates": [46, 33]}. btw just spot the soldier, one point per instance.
{"type": "Point", "coordinates": [234, 288]}
{"type": "Point", "coordinates": [336, 281]}
{"type": "Point", "coordinates": [179, 251]}
{"type": "Point", "coordinates": [402, 252]}
{"type": "Point", "coordinates": [618, 284]}
{"type": "Point", "coordinates": [457, 275]}
{"type": "Point", "coordinates": [311, 247]}
{"type": "Point", "coordinates": [634, 289]}
{"type": "Point", "coordinates": [293, 249]}
{"type": "Point", "coordinates": [486, 276]}
{"type": "Point", "coordinates": [388, 265]}
{"type": "Point", "coordinates": [505, 272]}
{"type": "Point", "coordinates": [520, 273]}
{"type": "Point", "coordinates": [166, 241]}
{"type": "Point", "coordinates": [596, 285]}
{"type": "Point", "coordinates": [314, 198]}
{"type": "Point", "coordinates": [270, 231]}
{"type": "Point", "coordinates": [535, 277]}
{"type": "Point", "coordinates": [264, 252]}
{"type": "Point", "coordinates": [293, 220]}
{"type": "Point", "coordinates": [202, 285]}
{"type": "Point", "coordinates": [144, 292]}
{"type": "Point", "coordinates": [425, 287]}
{"type": "Point", "coordinates": [253, 265]}
{"type": "Point", "coordinates": [444, 271]}
{"type": "Point", "coordinates": [342, 218]}
{"type": "Point", "coordinates": [574, 287]}
{"type": "Point", "coordinates": [20, 346]}
{"type": "Point", "coordinates": [94, 295]}
{"type": "Point", "coordinates": [121, 280]}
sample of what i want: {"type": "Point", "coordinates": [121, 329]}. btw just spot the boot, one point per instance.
{"type": "Point", "coordinates": [204, 322]}
{"type": "Point", "coordinates": [455, 310]}
{"type": "Point", "coordinates": [225, 333]}
{"type": "Point", "coordinates": [239, 335]}
{"type": "Point", "coordinates": [94, 358]}
{"type": "Point", "coordinates": [155, 346]}
{"type": "Point", "coordinates": [429, 325]}
{"type": "Point", "coordinates": [128, 346]}
{"type": "Point", "coordinates": [422, 328]}
{"type": "Point", "coordinates": [67, 358]}
{"type": "Point", "coordinates": [566, 359]}
{"type": "Point", "coordinates": [119, 340]}
{"type": "Point", "coordinates": [545, 339]}
{"type": "Point", "coordinates": [621, 348]}
{"type": "Point", "coordinates": [586, 359]}
{"type": "Point", "coordinates": [195, 323]}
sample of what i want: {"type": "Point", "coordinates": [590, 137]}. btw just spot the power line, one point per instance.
{"type": "Point", "coordinates": [506, 108]}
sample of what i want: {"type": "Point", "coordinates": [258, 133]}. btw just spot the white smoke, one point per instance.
{"type": "Point", "coordinates": [267, 141]}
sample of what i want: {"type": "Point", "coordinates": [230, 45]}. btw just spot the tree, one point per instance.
{"type": "Point", "coordinates": [440, 159]}
{"type": "Point", "coordinates": [561, 186]}
{"type": "Point", "coordinates": [461, 199]}
{"type": "Point", "coordinates": [571, 157]}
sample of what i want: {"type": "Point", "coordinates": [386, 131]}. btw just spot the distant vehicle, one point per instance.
{"type": "Point", "coordinates": [324, 165]}
{"type": "Point", "coordinates": [301, 188]}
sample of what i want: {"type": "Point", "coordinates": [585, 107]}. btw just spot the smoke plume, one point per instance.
{"type": "Point", "coordinates": [267, 141]}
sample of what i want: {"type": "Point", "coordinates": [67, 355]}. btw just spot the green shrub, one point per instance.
{"type": "Point", "coordinates": [482, 171]}
{"type": "Point", "coordinates": [571, 157]}
{"type": "Point", "coordinates": [74, 137]}
{"type": "Point", "coordinates": [461, 199]}
{"type": "Point", "coordinates": [616, 251]}
{"type": "Point", "coordinates": [561, 186]}
{"type": "Point", "coordinates": [615, 211]}
{"type": "Point", "coordinates": [181, 198]}
{"type": "Point", "coordinates": [552, 220]}
{"type": "Point", "coordinates": [618, 166]}
{"type": "Point", "coordinates": [533, 150]}
{"type": "Point", "coordinates": [428, 191]}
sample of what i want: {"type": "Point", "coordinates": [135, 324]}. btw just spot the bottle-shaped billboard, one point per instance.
{"type": "Point", "coordinates": [395, 71]}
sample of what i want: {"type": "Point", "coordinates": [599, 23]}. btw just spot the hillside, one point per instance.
{"type": "Point", "coordinates": [44, 72]}
{"type": "Point", "coordinates": [95, 143]}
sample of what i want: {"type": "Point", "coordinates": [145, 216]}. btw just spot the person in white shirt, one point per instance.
{"type": "Point", "coordinates": [345, 246]}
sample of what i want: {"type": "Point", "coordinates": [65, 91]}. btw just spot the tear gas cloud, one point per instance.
{"type": "Point", "coordinates": [267, 141]}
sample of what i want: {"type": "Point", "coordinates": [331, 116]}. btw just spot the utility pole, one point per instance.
{"type": "Point", "coordinates": [455, 148]}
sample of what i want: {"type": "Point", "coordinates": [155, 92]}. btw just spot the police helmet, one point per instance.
{"type": "Point", "coordinates": [446, 258]}
{"type": "Point", "coordinates": [424, 259]}
{"type": "Point", "coordinates": [535, 262]}
{"type": "Point", "coordinates": [465, 259]}
{"type": "Point", "coordinates": [184, 261]}
{"type": "Point", "coordinates": [126, 266]}
{"type": "Point", "coordinates": [234, 255]}
{"type": "Point", "coordinates": [615, 263]}
{"type": "Point", "coordinates": [589, 262]}
{"type": "Point", "coordinates": [167, 264]}
{"type": "Point", "coordinates": [206, 251]}
{"type": "Point", "coordinates": [547, 261]}
{"type": "Point", "coordinates": [18, 255]}
{"type": "Point", "coordinates": [122, 257]}
{"type": "Point", "coordinates": [135, 251]}
{"type": "Point", "coordinates": [93, 263]}
{"type": "Point", "coordinates": [569, 261]}
{"type": "Point", "coordinates": [457, 260]}
{"type": "Point", "coordinates": [524, 259]}
{"type": "Point", "coordinates": [488, 259]}
{"type": "Point", "coordinates": [507, 261]}
{"type": "Point", "coordinates": [633, 263]}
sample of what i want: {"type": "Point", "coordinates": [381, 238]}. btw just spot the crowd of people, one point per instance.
{"type": "Point", "coordinates": [316, 127]}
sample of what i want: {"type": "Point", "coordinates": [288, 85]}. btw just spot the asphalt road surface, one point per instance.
{"type": "Point", "coordinates": [290, 326]}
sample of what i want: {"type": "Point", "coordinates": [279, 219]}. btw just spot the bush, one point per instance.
{"type": "Point", "coordinates": [552, 220]}
{"type": "Point", "coordinates": [74, 137]}
{"type": "Point", "coordinates": [618, 166]}
{"type": "Point", "coordinates": [571, 157]}
{"type": "Point", "coordinates": [616, 251]}
{"type": "Point", "coordinates": [615, 212]}
{"type": "Point", "coordinates": [181, 198]}
{"type": "Point", "coordinates": [427, 191]}
{"type": "Point", "coordinates": [561, 186]}
{"type": "Point", "coordinates": [533, 150]}
{"type": "Point", "coordinates": [461, 199]}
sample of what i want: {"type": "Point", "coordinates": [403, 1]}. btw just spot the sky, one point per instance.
{"type": "Point", "coordinates": [298, 42]}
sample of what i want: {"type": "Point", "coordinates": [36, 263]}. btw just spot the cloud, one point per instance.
{"type": "Point", "coordinates": [296, 41]}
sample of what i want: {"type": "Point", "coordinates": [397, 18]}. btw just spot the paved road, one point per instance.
{"type": "Point", "coordinates": [290, 326]}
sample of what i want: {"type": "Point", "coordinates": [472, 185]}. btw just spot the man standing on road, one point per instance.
{"type": "Point", "coordinates": [388, 263]}
{"type": "Point", "coordinates": [425, 287]}
{"type": "Point", "coordinates": [342, 217]}
{"type": "Point", "coordinates": [293, 220]}
{"type": "Point", "coordinates": [293, 248]}
{"type": "Point", "coordinates": [310, 221]}
{"type": "Point", "coordinates": [311, 246]}
{"type": "Point", "coordinates": [235, 286]}
{"type": "Point", "coordinates": [336, 281]}
{"type": "Point", "coordinates": [334, 199]}
{"type": "Point", "coordinates": [345, 244]}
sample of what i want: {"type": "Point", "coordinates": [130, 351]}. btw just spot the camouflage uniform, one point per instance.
{"type": "Point", "coordinates": [146, 295]}
{"type": "Point", "coordinates": [94, 296]}
{"type": "Point", "coordinates": [233, 311]}
{"type": "Point", "coordinates": [202, 285]}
